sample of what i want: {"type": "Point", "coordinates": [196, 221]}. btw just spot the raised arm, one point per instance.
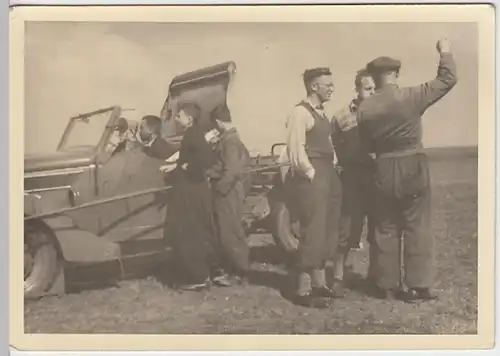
{"type": "Point", "coordinates": [425, 95]}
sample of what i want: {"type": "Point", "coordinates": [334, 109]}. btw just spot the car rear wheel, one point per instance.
{"type": "Point", "coordinates": [286, 229]}
{"type": "Point", "coordinates": [40, 261]}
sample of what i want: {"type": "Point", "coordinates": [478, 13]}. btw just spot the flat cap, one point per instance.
{"type": "Point", "coordinates": [383, 64]}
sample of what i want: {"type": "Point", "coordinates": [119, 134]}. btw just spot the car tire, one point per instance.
{"type": "Point", "coordinates": [43, 262]}
{"type": "Point", "coordinates": [285, 232]}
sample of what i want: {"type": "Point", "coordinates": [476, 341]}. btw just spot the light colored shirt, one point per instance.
{"type": "Point", "coordinates": [298, 123]}
{"type": "Point", "coordinates": [283, 159]}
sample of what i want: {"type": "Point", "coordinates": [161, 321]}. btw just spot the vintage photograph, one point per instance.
{"type": "Point", "coordinates": [237, 177]}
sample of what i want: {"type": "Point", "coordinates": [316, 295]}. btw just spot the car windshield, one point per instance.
{"type": "Point", "coordinates": [85, 131]}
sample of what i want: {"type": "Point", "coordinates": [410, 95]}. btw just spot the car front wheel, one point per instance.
{"type": "Point", "coordinates": [40, 260]}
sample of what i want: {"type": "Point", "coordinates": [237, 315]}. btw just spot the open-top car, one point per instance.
{"type": "Point", "coordinates": [100, 199]}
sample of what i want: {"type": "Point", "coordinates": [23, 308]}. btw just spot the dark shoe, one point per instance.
{"type": "Point", "coordinates": [414, 294]}
{"type": "Point", "coordinates": [336, 291]}
{"type": "Point", "coordinates": [387, 294]}
{"type": "Point", "coordinates": [425, 294]}
{"type": "Point", "coordinates": [310, 301]}
{"type": "Point", "coordinates": [338, 288]}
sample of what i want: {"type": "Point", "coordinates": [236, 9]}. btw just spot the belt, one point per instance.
{"type": "Point", "coordinates": [400, 153]}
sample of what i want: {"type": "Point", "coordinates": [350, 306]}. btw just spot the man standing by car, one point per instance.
{"type": "Point", "coordinates": [391, 120]}
{"type": "Point", "coordinates": [230, 187]}
{"type": "Point", "coordinates": [356, 175]}
{"type": "Point", "coordinates": [313, 188]}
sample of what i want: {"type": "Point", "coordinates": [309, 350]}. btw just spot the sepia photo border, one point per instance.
{"type": "Point", "coordinates": [483, 15]}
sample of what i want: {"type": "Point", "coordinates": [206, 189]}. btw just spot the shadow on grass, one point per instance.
{"type": "Point", "coordinates": [98, 276]}
{"type": "Point", "coordinates": [171, 275]}
{"type": "Point", "coordinates": [101, 276]}
{"type": "Point", "coordinates": [269, 279]}
{"type": "Point", "coordinates": [270, 254]}
{"type": "Point", "coordinates": [357, 283]}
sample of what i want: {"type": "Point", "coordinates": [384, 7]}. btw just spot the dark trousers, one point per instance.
{"type": "Point", "coordinates": [403, 208]}
{"type": "Point", "coordinates": [229, 210]}
{"type": "Point", "coordinates": [357, 205]}
{"type": "Point", "coordinates": [191, 220]}
{"type": "Point", "coordinates": [317, 205]}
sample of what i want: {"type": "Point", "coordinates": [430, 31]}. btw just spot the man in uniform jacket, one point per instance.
{"type": "Point", "coordinates": [391, 121]}
{"type": "Point", "coordinates": [313, 189]}
{"type": "Point", "coordinates": [230, 187]}
{"type": "Point", "coordinates": [357, 170]}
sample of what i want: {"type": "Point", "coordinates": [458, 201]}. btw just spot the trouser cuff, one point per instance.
{"type": "Point", "coordinates": [318, 278]}
{"type": "Point", "coordinates": [338, 268]}
{"type": "Point", "coordinates": [303, 283]}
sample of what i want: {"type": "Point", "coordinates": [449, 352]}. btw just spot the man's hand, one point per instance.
{"type": "Point", "coordinates": [212, 136]}
{"type": "Point", "coordinates": [311, 173]}
{"type": "Point", "coordinates": [443, 45]}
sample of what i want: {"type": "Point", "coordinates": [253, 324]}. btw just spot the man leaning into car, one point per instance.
{"type": "Point", "coordinates": [149, 134]}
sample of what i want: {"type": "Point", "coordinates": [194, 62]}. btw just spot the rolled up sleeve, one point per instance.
{"type": "Point", "coordinates": [298, 123]}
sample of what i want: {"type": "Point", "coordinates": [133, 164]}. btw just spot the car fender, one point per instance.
{"type": "Point", "coordinates": [83, 224]}
{"type": "Point", "coordinates": [37, 202]}
{"type": "Point", "coordinates": [79, 246]}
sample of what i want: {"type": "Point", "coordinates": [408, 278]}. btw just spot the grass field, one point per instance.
{"type": "Point", "coordinates": [148, 306]}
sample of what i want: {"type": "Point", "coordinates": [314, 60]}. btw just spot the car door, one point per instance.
{"type": "Point", "coordinates": [95, 127]}
{"type": "Point", "coordinates": [132, 213]}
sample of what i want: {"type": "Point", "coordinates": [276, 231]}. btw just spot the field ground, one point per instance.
{"type": "Point", "coordinates": [148, 306]}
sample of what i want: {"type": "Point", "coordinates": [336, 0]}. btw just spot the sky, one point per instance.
{"type": "Point", "coordinates": [75, 67]}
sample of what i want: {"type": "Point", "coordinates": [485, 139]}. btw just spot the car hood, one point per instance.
{"type": "Point", "coordinates": [58, 160]}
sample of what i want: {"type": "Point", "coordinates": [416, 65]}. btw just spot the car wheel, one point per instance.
{"type": "Point", "coordinates": [286, 230]}
{"type": "Point", "coordinates": [40, 261]}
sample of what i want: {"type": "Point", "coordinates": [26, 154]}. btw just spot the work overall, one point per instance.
{"type": "Point", "coordinates": [230, 187]}
{"type": "Point", "coordinates": [316, 203]}
{"type": "Point", "coordinates": [403, 211]}
{"type": "Point", "coordinates": [357, 175]}
{"type": "Point", "coordinates": [391, 121]}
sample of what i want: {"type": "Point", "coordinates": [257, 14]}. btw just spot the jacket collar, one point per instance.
{"type": "Point", "coordinates": [388, 87]}
{"type": "Point", "coordinates": [230, 132]}
{"type": "Point", "coordinates": [353, 106]}
{"type": "Point", "coordinates": [145, 144]}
